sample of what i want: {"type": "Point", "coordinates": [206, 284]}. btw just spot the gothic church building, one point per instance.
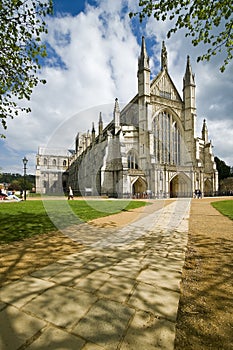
{"type": "Point", "coordinates": [150, 147]}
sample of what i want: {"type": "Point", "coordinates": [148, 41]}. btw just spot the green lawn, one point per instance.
{"type": "Point", "coordinates": [20, 220]}
{"type": "Point", "coordinates": [224, 207]}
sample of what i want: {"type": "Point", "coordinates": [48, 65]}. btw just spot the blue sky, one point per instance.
{"type": "Point", "coordinates": [68, 6]}
{"type": "Point", "coordinates": [93, 49]}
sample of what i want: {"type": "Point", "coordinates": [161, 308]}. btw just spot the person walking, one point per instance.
{"type": "Point", "coordinates": [70, 195]}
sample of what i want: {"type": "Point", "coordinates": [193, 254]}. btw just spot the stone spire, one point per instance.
{"type": "Point", "coordinates": [189, 77]}
{"type": "Point", "coordinates": [100, 124]}
{"type": "Point", "coordinates": [204, 132]}
{"type": "Point", "coordinates": [93, 134]}
{"type": "Point", "coordinates": [77, 143]}
{"type": "Point", "coordinates": [143, 60]}
{"type": "Point", "coordinates": [143, 72]}
{"type": "Point", "coordinates": [116, 115]}
{"type": "Point", "coordinates": [189, 100]}
{"type": "Point", "coordinates": [164, 57]}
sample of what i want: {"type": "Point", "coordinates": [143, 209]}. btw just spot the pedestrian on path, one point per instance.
{"type": "Point", "coordinates": [70, 195]}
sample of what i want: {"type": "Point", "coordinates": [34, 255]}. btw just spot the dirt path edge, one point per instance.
{"type": "Point", "coordinates": [204, 319]}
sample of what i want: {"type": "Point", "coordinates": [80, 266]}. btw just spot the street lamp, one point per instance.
{"type": "Point", "coordinates": [24, 168]}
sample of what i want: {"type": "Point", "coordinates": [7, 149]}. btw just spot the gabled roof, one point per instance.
{"type": "Point", "coordinates": [162, 84]}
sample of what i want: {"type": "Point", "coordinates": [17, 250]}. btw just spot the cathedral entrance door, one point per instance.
{"type": "Point", "coordinates": [139, 188]}
{"type": "Point", "coordinates": [180, 186]}
{"type": "Point", "coordinates": [208, 188]}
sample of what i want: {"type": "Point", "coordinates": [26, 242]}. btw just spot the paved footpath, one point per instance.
{"type": "Point", "coordinates": [119, 292]}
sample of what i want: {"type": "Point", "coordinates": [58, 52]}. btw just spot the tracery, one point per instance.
{"type": "Point", "coordinates": [167, 139]}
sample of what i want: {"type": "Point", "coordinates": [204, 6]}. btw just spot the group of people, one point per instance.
{"type": "Point", "coordinates": [197, 194]}
{"type": "Point", "coordinates": [8, 195]}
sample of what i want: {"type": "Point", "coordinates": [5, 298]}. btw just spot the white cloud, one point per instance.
{"type": "Point", "coordinates": [220, 131]}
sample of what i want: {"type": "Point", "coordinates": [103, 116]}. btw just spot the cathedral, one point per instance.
{"type": "Point", "coordinates": [150, 148]}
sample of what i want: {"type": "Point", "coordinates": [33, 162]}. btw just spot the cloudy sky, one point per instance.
{"type": "Point", "coordinates": [93, 50]}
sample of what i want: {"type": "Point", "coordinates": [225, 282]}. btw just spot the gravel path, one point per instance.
{"type": "Point", "coordinates": [206, 305]}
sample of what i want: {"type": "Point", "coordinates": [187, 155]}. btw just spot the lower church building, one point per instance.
{"type": "Point", "coordinates": [50, 167]}
{"type": "Point", "coordinates": [150, 147]}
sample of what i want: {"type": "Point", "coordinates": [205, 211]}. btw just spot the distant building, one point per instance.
{"type": "Point", "coordinates": [50, 166]}
{"type": "Point", "coordinates": [150, 147]}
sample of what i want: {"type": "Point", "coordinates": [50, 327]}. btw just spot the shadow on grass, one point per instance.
{"type": "Point", "coordinates": [23, 226]}
{"type": "Point", "coordinates": [26, 225]}
{"type": "Point", "coordinates": [27, 219]}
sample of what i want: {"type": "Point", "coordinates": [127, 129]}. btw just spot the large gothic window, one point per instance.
{"type": "Point", "coordinates": [132, 160]}
{"type": "Point", "coordinates": [167, 139]}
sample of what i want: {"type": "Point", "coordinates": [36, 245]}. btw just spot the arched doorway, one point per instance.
{"type": "Point", "coordinates": [180, 186]}
{"type": "Point", "coordinates": [208, 189]}
{"type": "Point", "coordinates": [139, 188]}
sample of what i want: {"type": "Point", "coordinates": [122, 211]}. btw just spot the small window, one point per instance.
{"type": "Point", "coordinates": [64, 162]}
{"type": "Point", "coordinates": [45, 161]}
{"type": "Point", "coordinates": [54, 162]}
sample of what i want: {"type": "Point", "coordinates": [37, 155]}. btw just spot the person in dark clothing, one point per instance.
{"type": "Point", "coordinates": [2, 194]}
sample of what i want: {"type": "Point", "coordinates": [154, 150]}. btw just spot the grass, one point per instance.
{"type": "Point", "coordinates": [224, 207]}
{"type": "Point", "coordinates": [21, 220]}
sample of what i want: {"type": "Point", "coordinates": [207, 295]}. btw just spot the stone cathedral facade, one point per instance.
{"type": "Point", "coordinates": [150, 147]}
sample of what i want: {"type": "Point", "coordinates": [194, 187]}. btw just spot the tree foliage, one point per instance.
{"type": "Point", "coordinates": [224, 170]}
{"type": "Point", "coordinates": [206, 21]}
{"type": "Point", "coordinates": [21, 27]}
{"type": "Point", "coordinates": [17, 181]}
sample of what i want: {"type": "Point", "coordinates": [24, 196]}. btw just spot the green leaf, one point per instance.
{"type": "Point", "coordinates": [207, 22]}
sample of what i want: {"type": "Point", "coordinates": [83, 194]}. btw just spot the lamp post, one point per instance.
{"type": "Point", "coordinates": [24, 174]}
